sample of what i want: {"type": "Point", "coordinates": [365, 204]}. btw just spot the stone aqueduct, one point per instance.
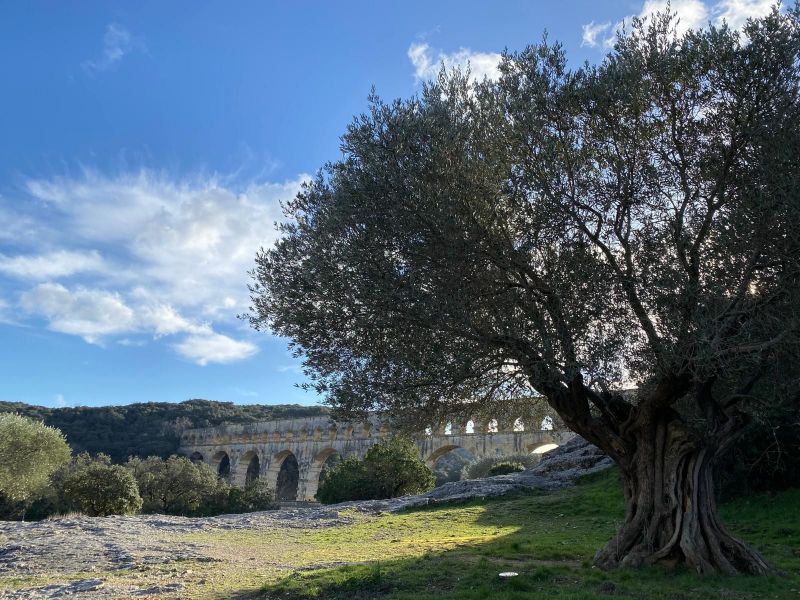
{"type": "Point", "coordinates": [291, 453]}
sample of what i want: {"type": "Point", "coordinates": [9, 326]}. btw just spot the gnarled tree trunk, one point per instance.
{"type": "Point", "coordinates": [671, 514]}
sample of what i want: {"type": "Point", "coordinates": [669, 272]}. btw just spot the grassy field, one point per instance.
{"type": "Point", "coordinates": [458, 551]}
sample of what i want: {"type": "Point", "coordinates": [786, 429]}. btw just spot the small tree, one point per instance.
{"type": "Point", "coordinates": [394, 468]}
{"type": "Point", "coordinates": [389, 469]}
{"type": "Point", "coordinates": [99, 488]}
{"type": "Point", "coordinates": [177, 486]}
{"type": "Point", "coordinates": [570, 233]}
{"type": "Point", "coordinates": [346, 480]}
{"type": "Point", "coordinates": [29, 454]}
{"type": "Point", "coordinates": [255, 496]}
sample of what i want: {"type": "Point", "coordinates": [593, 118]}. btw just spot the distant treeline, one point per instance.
{"type": "Point", "coordinates": [148, 429]}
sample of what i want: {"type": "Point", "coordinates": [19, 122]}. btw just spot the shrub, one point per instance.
{"type": "Point", "coordinates": [390, 469]}
{"type": "Point", "coordinates": [178, 486]}
{"type": "Point", "coordinates": [347, 480]}
{"type": "Point", "coordinates": [765, 458]}
{"type": "Point", "coordinates": [29, 454]}
{"type": "Point", "coordinates": [506, 467]}
{"type": "Point", "coordinates": [98, 488]}
{"type": "Point", "coordinates": [480, 468]}
{"type": "Point", "coordinates": [255, 496]}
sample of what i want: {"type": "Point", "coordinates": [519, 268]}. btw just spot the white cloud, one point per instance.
{"type": "Point", "coordinates": [591, 31]}
{"type": "Point", "coordinates": [170, 257]}
{"type": "Point", "coordinates": [117, 42]}
{"type": "Point", "coordinates": [691, 14]}
{"type": "Point", "coordinates": [427, 63]}
{"type": "Point", "coordinates": [186, 244]}
{"type": "Point", "coordinates": [210, 347]}
{"type": "Point", "coordinates": [52, 265]}
{"type": "Point", "coordinates": [91, 314]}
{"type": "Point", "coordinates": [736, 12]}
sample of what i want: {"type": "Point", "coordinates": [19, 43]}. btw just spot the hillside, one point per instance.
{"type": "Point", "coordinates": [148, 428]}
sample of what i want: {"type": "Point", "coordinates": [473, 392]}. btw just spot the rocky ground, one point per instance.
{"type": "Point", "coordinates": [76, 557]}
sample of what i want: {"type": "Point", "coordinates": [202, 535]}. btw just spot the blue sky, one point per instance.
{"type": "Point", "coordinates": [146, 146]}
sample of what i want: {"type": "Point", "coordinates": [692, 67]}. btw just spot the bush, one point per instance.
{"type": "Point", "coordinates": [178, 486]}
{"type": "Point", "coordinates": [504, 468]}
{"type": "Point", "coordinates": [765, 458]}
{"type": "Point", "coordinates": [255, 496]}
{"type": "Point", "coordinates": [347, 480]}
{"type": "Point", "coordinates": [29, 454]}
{"type": "Point", "coordinates": [480, 468]}
{"type": "Point", "coordinates": [390, 469]}
{"type": "Point", "coordinates": [98, 488]}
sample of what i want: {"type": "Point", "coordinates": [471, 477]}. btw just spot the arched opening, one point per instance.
{"type": "Point", "coordinates": [333, 459]}
{"type": "Point", "coordinates": [447, 463]}
{"type": "Point", "coordinates": [492, 426]}
{"type": "Point", "coordinates": [448, 429]}
{"type": "Point", "coordinates": [223, 464]}
{"type": "Point", "coordinates": [519, 425]}
{"type": "Point", "coordinates": [547, 423]}
{"type": "Point", "coordinates": [544, 448]}
{"type": "Point", "coordinates": [288, 479]}
{"type": "Point", "coordinates": [322, 463]}
{"type": "Point", "coordinates": [253, 470]}
{"type": "Point", "coordinates": [470, 427]}
{"type": "Point", "coordinates": [196, 457]}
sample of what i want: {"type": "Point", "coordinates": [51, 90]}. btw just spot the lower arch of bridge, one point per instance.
{"type": "Point", "coordinates": [248, 468]}
{"type": "Point", "coordinates": [434, 456]}
{"type": "Point", "coordinates": [221, 463]}
{"type": "Point", "coordinates": [283, 475]}
{"type": "Point", "coordinates": [323, 460]}
{"type": "Point", "coordinates": [196, 457]}
{"type": "Point", "coordinates": [542, 448]}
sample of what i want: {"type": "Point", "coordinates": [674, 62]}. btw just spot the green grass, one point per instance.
{"type": "Point", "coordinates": [549, 539]}
{"type": "Point", "coordinates": [457, 551]}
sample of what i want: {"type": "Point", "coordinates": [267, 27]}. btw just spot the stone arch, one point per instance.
{"type": "Point", "coordinates": [313, 478]}
{"type": "Point", "coordinates": [196, 457]}
{"type": "Point", "coordinates": [248, 468]}
{"type": "Point", "coordinates": [434, 456]}
{"type": "Point", "coordinates": [283, 475]}
{"type": "Point", "coordinates": [448, 461]}
{"type": "Point", "coordinates": [221, 463]}
{"type": "Point", "coordinates": [542, 447]}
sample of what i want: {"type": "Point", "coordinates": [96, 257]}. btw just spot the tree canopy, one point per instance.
{"type": "Point", "coordinates": [29, 454]}
{"type": "Point", "coordinates": [570, 233]}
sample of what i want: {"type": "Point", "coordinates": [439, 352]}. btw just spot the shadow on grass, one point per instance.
{"type": "Point", "coordinates": [549, 540]}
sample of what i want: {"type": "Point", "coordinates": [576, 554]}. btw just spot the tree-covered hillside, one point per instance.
{"type": "Point", "coordinates": [152, 428]}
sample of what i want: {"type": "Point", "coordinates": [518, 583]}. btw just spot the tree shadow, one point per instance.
{"type": "Point", "coordinates": [549, 539]}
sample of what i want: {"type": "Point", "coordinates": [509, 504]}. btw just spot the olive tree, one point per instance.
{"type": "Point", "coordinates": [98, 488]}
{"type": "Point", "coordinates": [177, 486]}
{"type": "Point", "coordinates": [30, 452]}
{"type": "Point", "coordinates": [570, 233]}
